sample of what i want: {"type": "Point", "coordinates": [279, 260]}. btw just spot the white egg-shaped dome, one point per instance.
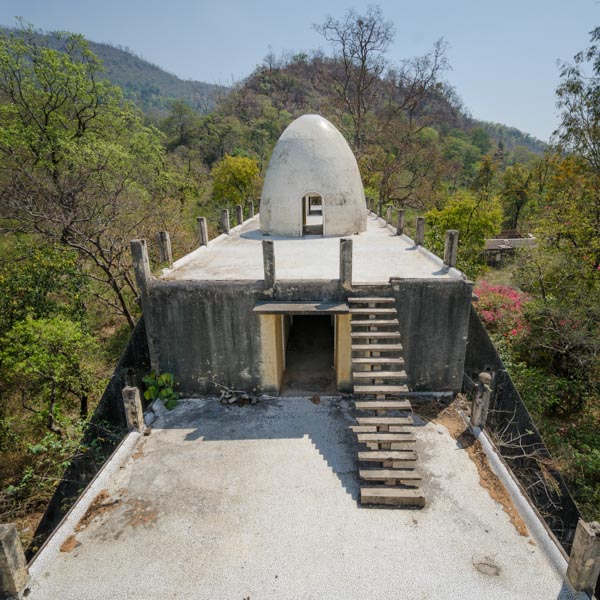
{"type": "Point", "coordinates": [311, 160]}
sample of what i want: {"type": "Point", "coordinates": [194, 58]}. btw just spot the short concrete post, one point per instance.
{"type": "Point", "coordinates": [380, 209]}
{"type": "Point", "coordinates": [134, 413]}
{"type": "Point", "coordinates": [164, 247]}
{"type": "Point", "coordinates": [225, 220]}
{"type": "Point", "coordinates": [239, 211]}
{"type": "Point", "coordinates": [203, 231]}
{"type": "Point", "coordinates": [269, 264]}
{"type": "Point", "coordinates": [584, 562]}
{"type": "Point", "coordinates": [388, 216]}
{"type": "Point", "coordinates": [346, 264]}
{"type": "Point", "coordinates": [451, 248]}
{"type": "Point", "coordinates": [13, 566]}
{"type": "Point", "coordinates": [400, 224]}
{"type": "Point", "coordinates": [141, 264]}
{"type": "Point", "coordinates": [420, 231]}
{"type": "Point", "coordinates": [143, 277]}
{"type": "Point", "coordinates": [251, 205]}
{"type": "Point", "coordinates": [481, 401]}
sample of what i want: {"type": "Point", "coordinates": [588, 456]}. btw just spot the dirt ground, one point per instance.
{"type": "Point", "coordinates": [450, 418]}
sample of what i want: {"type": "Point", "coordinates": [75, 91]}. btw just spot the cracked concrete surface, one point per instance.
{"type": "Point", "coordinates": [259, 502]}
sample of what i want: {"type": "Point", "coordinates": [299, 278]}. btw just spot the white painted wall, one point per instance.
{"type": "Point", "coordinates": [312, 157]}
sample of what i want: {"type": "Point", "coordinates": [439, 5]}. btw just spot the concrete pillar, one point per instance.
{"type": "Point", "coordinates": [481, 401]}
{"type": "Point", "coordinates": [239, 211]}
{"type": "Point", "coordinates": [451, 248]}
{"type": "Point", "coordinates": [164, 247]}
{"type": "Point", "coordinates": [143, 276]}
{"type": "Point", "coordinates": [203, 231]}
{"type": "Point", "coordinates": [251, 208]}
{"type": "Point", "coordinates": [388, 216]}
{"type": "Point", "coordinates": [13, 566]}
{"type": "Point", "coordinates": [141, 264]}
{"type": "Point", "coordinates": [346, 264]}
{"type": "Point", "coordinates": [400, 223]}
{"type": "Point", "coordinates": [134, 413]}
{"type": "Point", "coordinates": [380, 209]}
{"type": "Point", "coordinates": [584, 562]}
{"type": "Point", "coordinates": [225, 220]}
{"type": "Point", "coordinates": [269, 264]}
{"type": "Point", "coordinates": [420, 233]}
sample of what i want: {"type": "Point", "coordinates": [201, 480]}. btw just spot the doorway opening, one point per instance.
{"type": "Point", "coordinates": [312, 214]}
{"type": "Point", "coordinates": [309, 355]}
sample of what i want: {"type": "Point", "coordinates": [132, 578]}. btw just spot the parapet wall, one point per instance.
{"type": "Point", "coordinates": [205, 331]}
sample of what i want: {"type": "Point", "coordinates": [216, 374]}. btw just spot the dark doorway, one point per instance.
{"type": "Point", "coordinates": [309, 356]}
{"type": "Point", "coordinates": [312, 218]}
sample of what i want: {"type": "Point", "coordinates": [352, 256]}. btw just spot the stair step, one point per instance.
{"type": "Point", "coordinates": [375, 334]}
{"type": "Point", "coordinates": [374, 322]}
{"type": "Point", "coordinates": [379, 374]}
{"type": "Point", "coordinates": [373, 311]}
{"type": "Point", "coordinates": [383, 405]}
{"type": "Point", "coordinates": [392, 496]}
{"type": "Point", "coordinates": [407, 476]}
{"type": "Point", "coordinates": [380, 389]}
{"type": "Point", "coordinates": [374, 300]}
{"type": "Point", "coordinates": [377, 347]}
{"type": "Point", "coordinates": [364, 428]}
{"type": "Point", "coordinates": [394, 456]}
{"type": "Point", "coordinates": [379, 360]}
{"type": "Point", "coordinates": [387, 421]}
{"type": "Point", "coordinates": [397, 438]}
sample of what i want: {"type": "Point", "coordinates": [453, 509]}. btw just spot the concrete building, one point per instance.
{"type": "Point", "coordinates": [264, 500]}
{"type": "Point", "coordinates": [312, 166]}
{"type": "Point", "coordinates": [265, 304]}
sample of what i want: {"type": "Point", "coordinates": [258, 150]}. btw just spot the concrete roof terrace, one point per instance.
{"type": "Point", "coordinates": [378, 254]}
{"type": "Point", "coordinates": [261, 502]}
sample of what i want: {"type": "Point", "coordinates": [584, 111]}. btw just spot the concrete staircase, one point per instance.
{"type": "Point", "coordinates": [379, 376]}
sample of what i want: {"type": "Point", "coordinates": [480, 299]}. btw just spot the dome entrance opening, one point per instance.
{"type": "Point", "coordinates": [312, 214]}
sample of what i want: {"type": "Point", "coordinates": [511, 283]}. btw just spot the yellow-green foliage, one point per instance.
{"type": "Point", "coordinates": [235, 179]}
{"type": "Point", "coordinates": [475, 218]}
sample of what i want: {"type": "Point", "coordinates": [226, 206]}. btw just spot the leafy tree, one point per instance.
{"type": "Point", "coordinates": [475, 220]}
{"type": "Point", "coordinates": [563, 274]}
{"type": "Point", "coordinates": [77, 164]}
{"type": "Point", "coordinates": [481, 138]}
{"type": "Point", "coordinates": [235, 179]}
{"type": "Point", "coordinates": [515, 194]}
{"type": "Point", "coordinates": [40, 280]}
{"type": "Point", "coordinates": [49, 362]}
{"type": "Point", "coordinates": [181, 125]}
{"type": "Point", "coordinates": [485, 177]}
{"type": "Point", "coordinates": [579, 98]}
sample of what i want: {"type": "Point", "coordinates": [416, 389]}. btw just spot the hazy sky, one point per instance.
{"type": "Point", "coordinates": [503, 53]}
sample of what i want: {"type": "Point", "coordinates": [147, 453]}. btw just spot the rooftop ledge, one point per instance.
{"type": "Point", "coordinates": [378, 255]}
{"type": "Point", "coordinates": [262, 502]}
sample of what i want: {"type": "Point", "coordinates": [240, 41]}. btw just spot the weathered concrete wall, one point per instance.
{"type": "Point", "coordinates": [207, 330]}
{"type": "Point", "coordinates": [434, 321]}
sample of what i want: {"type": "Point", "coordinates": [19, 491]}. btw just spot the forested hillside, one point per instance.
{"type": "Point", "coordinates": [149, 86]}
{"type": "Point", "coordinates": [83, 171]}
